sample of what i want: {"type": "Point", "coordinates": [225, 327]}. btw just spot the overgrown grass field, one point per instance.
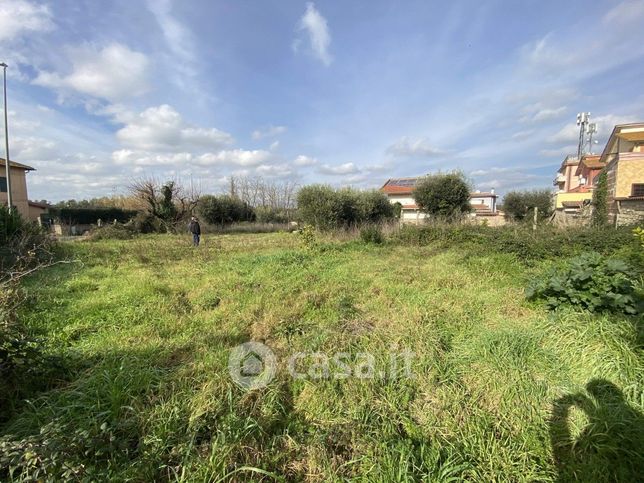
{"type": "Point", "coordinates": [142, 330]}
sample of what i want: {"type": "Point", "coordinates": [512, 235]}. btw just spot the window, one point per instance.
{"type": "Point", "coordinates": [637, 189]}
{"type": "Point", "coordinates": [3, 184]}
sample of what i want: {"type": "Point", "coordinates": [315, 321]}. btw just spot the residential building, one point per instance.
{"type": "Point", "coordinates": [589, 168]}
{"type": "Point", "coordinates": [28, 209]}
{"type": "Point", "coordinates": [623, 157]}
{"type": "Point", "coordinates": [484, 203]}
{"type": "Point", "coordinates": [400, 190]}
{"type": "Point", "coordinates": [575, 180]}
{"type": "Point", "coordinates": [566, 179]}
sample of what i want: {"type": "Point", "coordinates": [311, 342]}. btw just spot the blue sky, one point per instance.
{"type": "Point", "coordinates": [340, 92]}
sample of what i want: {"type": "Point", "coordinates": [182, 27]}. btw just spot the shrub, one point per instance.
{"type": "Point", "coordinates": [590, 281]}
{"type": "Point", "coordinates": [89, 216]}
{"type": "Point", "coordinates": [546, 243]}
{"type": "Point", "coordinates": [639, 234]}
{"type": "Point", "coordinates": [374, 207]}
{"type": "Point", "coordinates": [443, 195]}
{"type": "Point", "coordinates": [24, 247]}
{"type": "Point", "coordinates": [115, 231]}
{"type": "Point", "coordinates": [223, 210]}
{"type": "Point", "coordinates": [264, 214]}
{"type": "Point", "coordinates": [372, 234]}
{"type": "Point", "coordinates": [22, 242]}
{"type": "Point", "coordinates": [397, 209]}
{"type": "Point", "coordinates": [327, 208]}
{"type": "Point", "coordinates": [21, 356]}
{"type": "Point", "coordinates": [318, 206]}
{"type": "Point", "coordinates": [145, 222]}
{"type": "Point", "coordinates": [308, 237]}
{"type": "Point", "coordinates": [518, 204]}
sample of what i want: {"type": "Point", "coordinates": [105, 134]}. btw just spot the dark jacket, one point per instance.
{"type": "Point", "coordinates": [194, 228]}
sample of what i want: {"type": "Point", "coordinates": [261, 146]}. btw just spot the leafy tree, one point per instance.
{"type": "Point", "coordinates": [272, 215]}
{"type": "Point", "coordinates": [518, 204]}
{"type": "Point", "coordinates": [374, 206]}
{"type": "Point", "coordinates": [167, 211]}
{"type": "Point", "coordinates": [223, 210]}
{"type": "Point", "coordinates": [328, 208]}
{"type": "Point", "coordinates": [397, 206]}
{"type": "Point", "coordinates": [600, 202]}
{"type": "Point", "coordinates": [444, 195]}
{"type": "Point", "coordinates": [318, 205]}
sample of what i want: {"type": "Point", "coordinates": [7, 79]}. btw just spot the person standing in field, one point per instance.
{"type": "Point", "coordinates": [195, 229]}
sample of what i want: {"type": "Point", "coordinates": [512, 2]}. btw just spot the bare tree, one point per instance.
{"type": "Point", "coordinates": [259, 192]}
{"type": "Point", "coordinates": [170, 203]}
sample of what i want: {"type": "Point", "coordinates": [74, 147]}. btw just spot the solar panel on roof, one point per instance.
{"type": "Point", "coordinates": [406, 182]}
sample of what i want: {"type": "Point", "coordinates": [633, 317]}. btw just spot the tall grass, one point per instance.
{"type": "Point", "coordinates": [500, 386]}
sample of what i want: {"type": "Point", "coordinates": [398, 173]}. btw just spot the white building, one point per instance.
{"type": "Point", "coordinates": [400, 190]}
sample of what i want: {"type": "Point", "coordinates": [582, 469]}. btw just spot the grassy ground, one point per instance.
{"type": "Point", "coordinates": [500, 387]}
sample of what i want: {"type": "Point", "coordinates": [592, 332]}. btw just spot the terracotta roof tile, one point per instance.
{"type": "Point", "coordinates": [398, 189]}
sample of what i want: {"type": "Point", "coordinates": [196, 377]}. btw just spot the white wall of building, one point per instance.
{"type": "Point", "coordinates": [402, 199]}
{"type": "Point", "coordinates": [488, 201]}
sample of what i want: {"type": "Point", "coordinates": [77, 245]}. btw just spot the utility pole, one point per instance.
{"type": "Point", "coordinates": [6, 142]}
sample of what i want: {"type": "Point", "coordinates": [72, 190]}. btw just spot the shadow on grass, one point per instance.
{"type": "Point", "coordinates": [609, 447]}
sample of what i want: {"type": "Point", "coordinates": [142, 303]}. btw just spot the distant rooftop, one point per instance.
{"type": "Point", "coordinates": [404, 186]}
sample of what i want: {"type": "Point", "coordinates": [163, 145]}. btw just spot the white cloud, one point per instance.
{"type": "Point", "coordinates": [20, 16]}
{"type": "Point", "coordinates": [548, 114]}
{"type": "Point", "coordinates": [338, 170]}
{"type": "Point", "coordinates": [616, 39]}
{"type": "Point", "coordinates": [146, 158]}
{"type": "Point", "coordinates": [518, 180]}
{"type": "Point", "coordinates": [33, 148]}
{"type": "Point", "coordinates": [318, 31]}
{"type": "Point", "coordinates": [178, 37]}
{"type": "Point", "coordinates": [274, 171]}
{"type": "Point", "coordinates": [113, 72]}
{"type": "Point", "coordinates": [523, 134]}
{"type": "Point", "coordinates": [501, 178]}
{"type": "Point", "coordinates": [163, 128]}
{"type": "Point", "coordinates": [269, 132]}
{"type": "Point", "coordinates": [559, 152]}
{"type": "Point", "coordinates": [235, 157]}
{"type": "Point", "coordinates": [627, 12]}
{"type": "Point", "coordinates": [406, 147]}
{"type": "Point", "coordinates": [570, 132]}
{"type": "Point", "coordinates": [494, 170]}
{"type": "Point", "coordinates": [303, 160]}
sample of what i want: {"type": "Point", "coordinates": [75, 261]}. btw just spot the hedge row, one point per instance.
{"type": "Point", "coordinates": [89, 216]}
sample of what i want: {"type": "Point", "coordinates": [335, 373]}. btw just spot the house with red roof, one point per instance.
{"type": "Point", "coordinates": [400, 191]}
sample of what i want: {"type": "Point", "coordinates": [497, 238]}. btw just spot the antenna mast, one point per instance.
{"type": "Point", "coordinates": [583, 121]}
{"type": "Point", "coordinates": [592, 129]}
